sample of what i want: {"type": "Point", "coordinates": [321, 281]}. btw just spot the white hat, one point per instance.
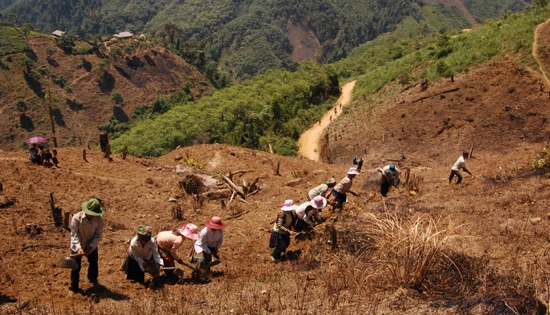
{"type": "Point", "coordinates": [318, 202]}
{"type": "Point", "coordinates": [288, 205]}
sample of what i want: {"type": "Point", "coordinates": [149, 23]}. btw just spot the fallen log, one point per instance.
{"type": "Point", "coordinates": [435, 94]}
{"type": "Point", "coordinates": [238, 190]}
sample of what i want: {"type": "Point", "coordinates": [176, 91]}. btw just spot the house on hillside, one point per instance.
{"type": "Point", "coordinates": [58, 33]}
{"type": "Point", "coordinates": [123, 35]}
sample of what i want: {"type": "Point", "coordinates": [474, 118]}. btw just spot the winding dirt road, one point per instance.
{"type": "Point", "coordinates": [309, 141]}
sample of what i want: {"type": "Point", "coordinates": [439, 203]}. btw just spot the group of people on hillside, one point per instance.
{"type": "Point", "coordinates": [157, 255]}
{"type": "Point", "coordinates": [294, 219]}
{"type": "Point", "coordinates": [43, 156]}
{"type": "Point", "coordinates": [146, 254]}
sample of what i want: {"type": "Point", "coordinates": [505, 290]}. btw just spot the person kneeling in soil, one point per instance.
{"type": "Point", "coordinates": [168, 243]}
{"type": "Point", "coordinates": [143, 257]}
{"type": "Point", "coordinates": [307, 214]}
{"type": "Point", "coordinates": [280, 235]}
{"type": "Point", "coordinates": [208, 244]}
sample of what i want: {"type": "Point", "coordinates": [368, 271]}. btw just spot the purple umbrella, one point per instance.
{"type": "Point", "coordinates": [36, 140]}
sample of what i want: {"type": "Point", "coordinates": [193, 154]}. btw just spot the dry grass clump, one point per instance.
{"type": "Point", "coordinates": [408, 249]}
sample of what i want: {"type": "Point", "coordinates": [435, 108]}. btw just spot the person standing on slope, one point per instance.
{"type": "Point", "coordinates": [86, 233]}
{"type": "Point", "coordinates": [459, 164]}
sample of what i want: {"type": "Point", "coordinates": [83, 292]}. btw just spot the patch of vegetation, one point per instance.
{"type": "Point", "coordinates": [273, 108]}
{"type": "Point", "coordinates": [541, 165]}
{"type": "Point", "coordinates": [375, 65]}
{"type": "Point", "coordinates": [12, 40]}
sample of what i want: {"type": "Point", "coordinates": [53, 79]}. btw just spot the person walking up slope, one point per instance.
{"type": "Point", "coordinates": [459, 164]}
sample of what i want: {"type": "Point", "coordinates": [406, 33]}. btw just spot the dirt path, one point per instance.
{"type": "Point", "coordinates": [536, 49]}
{"type": "Point", "coordinates": [310, 139]}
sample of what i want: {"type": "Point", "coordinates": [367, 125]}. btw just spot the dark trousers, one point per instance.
{"type": "Point", "coordinates": [93, 270]}
{"type": "Point", "coordinates": [458, 175]}
{"type": "Point", "coordinates": [337, 200]}
{"type": "Point", "coordinates": [133, 271]}
{"type": "Point", "coordinates": [279, 242]}
{"type": "Point", "coordinates": [168, 262]}
{"type": "Point", "coordinates": [384, 187]}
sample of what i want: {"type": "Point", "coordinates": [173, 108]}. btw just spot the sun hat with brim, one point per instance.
{"type": "Point", "coordinates": [189, 231]}
{"type": "Point", "coordinates": [353, 171]}
{"type": "Point", "coordinates": [92, 207]}
{"type": "Point", "coordinates": [318, 202]}
{"type": "Point", "coordinates": [288, 205]}
{"type": "Point", "coordinates": [215, 223]}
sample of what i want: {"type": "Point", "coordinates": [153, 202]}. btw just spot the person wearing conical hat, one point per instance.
{"type": "Point", "coordinates": [168, 244]}
{"type": "Point", "coordinates": [86, 233]}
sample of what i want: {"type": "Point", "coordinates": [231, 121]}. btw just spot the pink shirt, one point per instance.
{"type": "Point", "coordinates": [170, 242]}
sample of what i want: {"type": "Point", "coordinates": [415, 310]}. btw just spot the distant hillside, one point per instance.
{"type": "Point", "coordinates": [88, 86]}
{"type": "Point", "coordinates": [235, 39]}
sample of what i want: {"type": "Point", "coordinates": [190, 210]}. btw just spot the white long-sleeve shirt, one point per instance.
{"type": "Point", "coordinates": [305, 213]}
{"type": "Point", "coordinates": [142, 253]}
{"type": "Point", "coordinates": [208, 238]}
{"type": "Point", "coordinates": [86, 231]}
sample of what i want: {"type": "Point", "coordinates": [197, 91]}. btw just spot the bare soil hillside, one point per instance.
{"type": "Point", "coordinates": [496, 261]}
{"type": "Point", "coordinates": [82, 99]}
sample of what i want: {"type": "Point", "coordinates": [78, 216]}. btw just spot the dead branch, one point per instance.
{"type": "Point", "coordinates": [239, 172]}
{"type": "Point", "coordinates": [234, 187]}
{"type": "Point", "coordinates": [435, 94]}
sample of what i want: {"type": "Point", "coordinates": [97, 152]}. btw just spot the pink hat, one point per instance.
{"type": "Point", "coordinates": [215, 223]}
{"type": "Point", "coordinates": [353, 171]}
{"type": "Point", "coordinates": [190, 231]}
{"type": "Point", "coordinates": [288, 205]}
{"type": "Point", "coordinates": [318, 202]}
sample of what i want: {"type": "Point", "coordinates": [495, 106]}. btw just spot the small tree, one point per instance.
{"type": "Point", "coordinates": [116, 97]}
{"type": "Point", "coordinates": [21, 105]}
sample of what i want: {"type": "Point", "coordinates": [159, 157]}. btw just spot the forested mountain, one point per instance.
{"type": "Point", "coordinates": [229, 39]}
